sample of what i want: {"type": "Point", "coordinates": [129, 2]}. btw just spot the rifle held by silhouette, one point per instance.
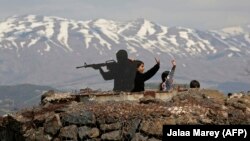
{"type": "Point", "coordinates": [108, 63]}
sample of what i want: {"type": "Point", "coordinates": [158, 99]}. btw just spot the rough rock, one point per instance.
{"type": "Point", "coordinates": [70, 119]}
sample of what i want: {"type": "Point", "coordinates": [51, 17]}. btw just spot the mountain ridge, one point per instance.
{"type": "Point", "coordinates": [44, 29]}
{"type": "Point", "coordinates": [45, 50]}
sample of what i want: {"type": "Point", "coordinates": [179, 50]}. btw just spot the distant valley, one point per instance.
{"type": "Point", "coordinates": [17, 97]}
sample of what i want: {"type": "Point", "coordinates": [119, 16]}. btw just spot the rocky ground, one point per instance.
{"type": "Point", "coordinates": [68, 119]}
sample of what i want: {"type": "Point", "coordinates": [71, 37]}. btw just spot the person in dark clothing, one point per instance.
{"type": "Point", "coordinates": [123, 72]}
{"type": "Point", "coordinates": [141, 77]}
{"type": "Point", "coordinates": [167, 78]}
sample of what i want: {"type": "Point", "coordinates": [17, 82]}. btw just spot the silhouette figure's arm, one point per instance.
{"type": "Point", "coordinates": [106, 75]}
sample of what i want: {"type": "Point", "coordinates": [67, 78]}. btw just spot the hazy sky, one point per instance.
{"type": "Point", "coordinates": [200, 14]}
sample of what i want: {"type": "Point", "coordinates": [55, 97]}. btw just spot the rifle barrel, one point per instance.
{"type": "Point", "coordinates": [96, 65]}
{"type": "Point", "coordinates": [80, 67]}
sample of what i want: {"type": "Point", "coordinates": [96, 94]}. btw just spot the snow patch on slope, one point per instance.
{"type": "Point", "coordinates": [63, 34]}
{"type": "Point", "coordinates": [146, 29]}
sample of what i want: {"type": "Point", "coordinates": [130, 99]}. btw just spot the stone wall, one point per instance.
{"type": "Point", "coordinates": [71, 120]}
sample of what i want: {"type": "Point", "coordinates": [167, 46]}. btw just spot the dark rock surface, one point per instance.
{"type": "Point", "coordinates": [69, 119]}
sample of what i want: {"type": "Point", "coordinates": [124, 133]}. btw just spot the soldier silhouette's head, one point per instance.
{"type": "Point", "coordinates": [121, 56]}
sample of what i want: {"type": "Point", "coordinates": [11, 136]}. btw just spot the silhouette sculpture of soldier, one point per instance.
{"type": "Point", "coordinates": [122, 72]}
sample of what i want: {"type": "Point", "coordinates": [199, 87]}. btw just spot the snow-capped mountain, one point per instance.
{"type": "Point", "coordinates": [46, 50]}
